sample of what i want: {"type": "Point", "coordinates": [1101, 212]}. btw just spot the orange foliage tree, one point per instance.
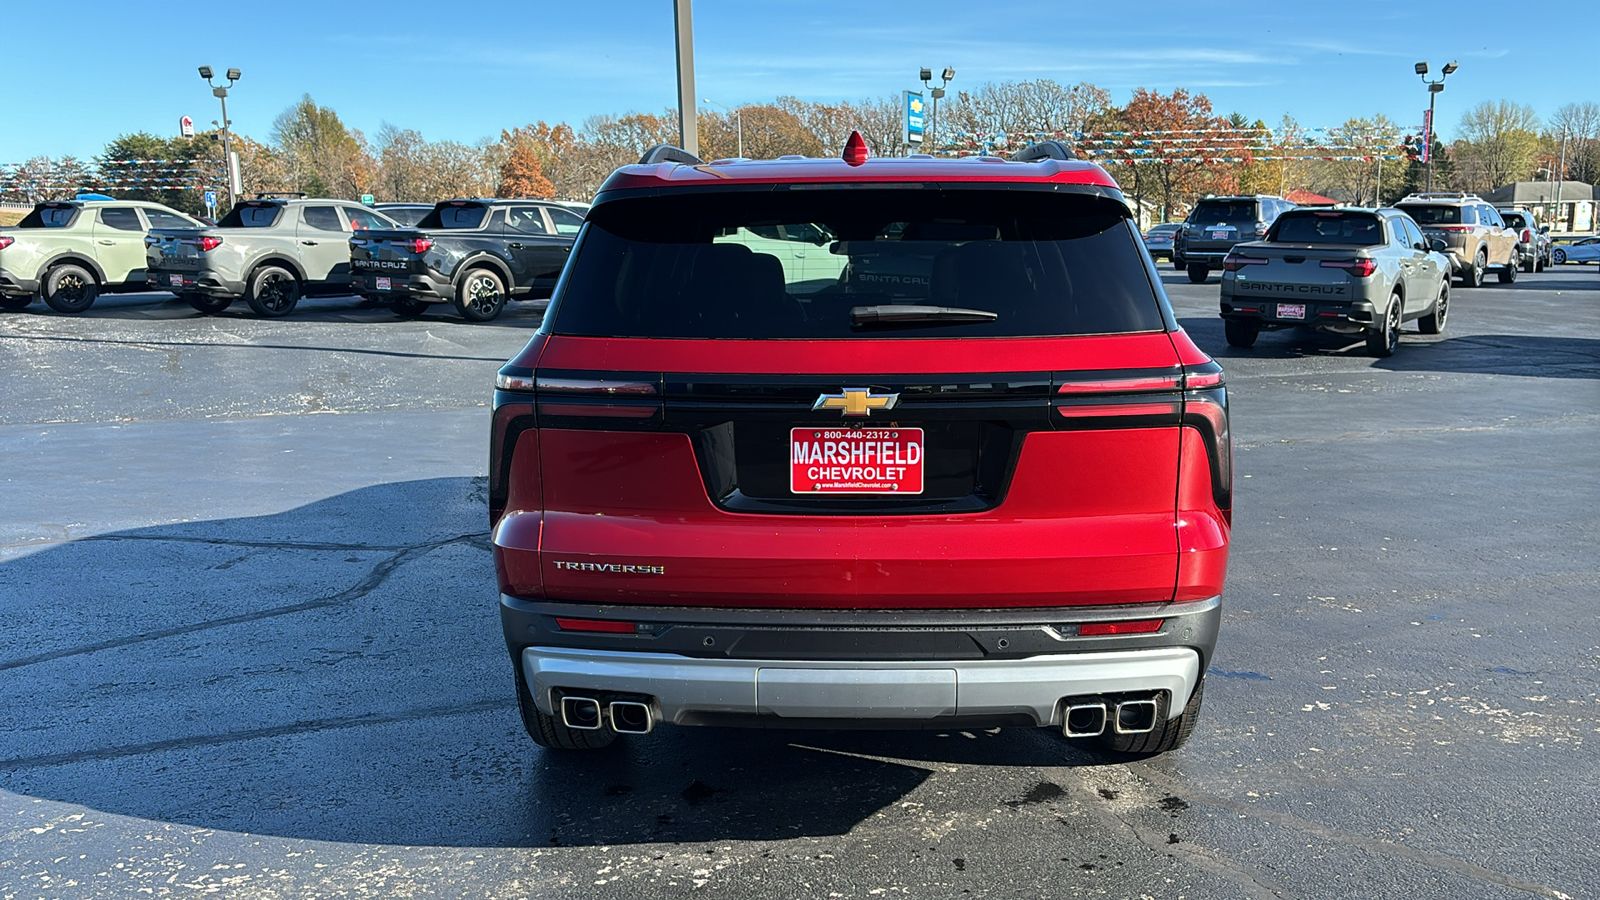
{"type": "Point", "coordinates": [522, 176]}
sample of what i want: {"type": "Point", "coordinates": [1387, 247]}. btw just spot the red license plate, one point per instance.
{"type": "Point", "coordinates": [1291, 310]}
{"type": "Point", "coordinates": [856, 461]}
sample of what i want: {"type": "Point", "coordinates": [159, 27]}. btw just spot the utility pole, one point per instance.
{"type": "Point", "coordinates": [688, 133]}
{"type": "Point", "coordinates": [1561, 174]}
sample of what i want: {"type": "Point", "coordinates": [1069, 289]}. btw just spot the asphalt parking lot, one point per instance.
{"type": "Point", "coordinates": [252, 647]}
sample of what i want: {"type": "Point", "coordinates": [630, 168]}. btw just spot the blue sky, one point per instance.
{"type": "Point", "coordinates": [465, 70]}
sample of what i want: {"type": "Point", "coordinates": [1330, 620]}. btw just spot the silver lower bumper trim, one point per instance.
{"type": "Point", "coordinates": [682, 686]}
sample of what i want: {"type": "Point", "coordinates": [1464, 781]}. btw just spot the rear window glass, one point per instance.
{"type": "Point", "coordinates": [1514, 220]}
{"type": "Point", "coordinates": [1433, 215]}
{"type": "Point", "coordinates": [844, 263]}
{"type": "Point", "coordinates": [449, 215]}
{"type": "Point", "coordinates": [406, 215]}
{"type": "Point", "coordinates": [49, 217]}
{"type": "Point", "coordinates": [1231, 211]}
{"type": "Point", "coordinates": [1355, 229]}
{"type": "Point", "coordinates": [251, 215]}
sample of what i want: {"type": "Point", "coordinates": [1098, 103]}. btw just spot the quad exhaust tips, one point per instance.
{"type": "Point", "coordinates": [631, 717]}
{"type": "Point", "coordinates": [624, 716]}
{"type": "Point", "coordinates": [582, 713]}
{"type": "Point", "coordinates": [1086, 717]}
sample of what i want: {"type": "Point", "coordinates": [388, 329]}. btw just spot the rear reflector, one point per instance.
{"type": "Point", "coordinates": [1139, 626]}
{"type": "Point", "coordinates": [601, 625]}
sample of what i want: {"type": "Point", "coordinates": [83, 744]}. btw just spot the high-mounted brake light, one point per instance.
{"type": "Point", "coordinates": [418, 245]}
{"type": "Point", "coordinates": [1138, 626]}
{"type": "Point", "coordinates": [1235, 263]}
{"type": "Point", "coordinates": [855, 149]}
{"type": "Point", "coordinates": [208, 242]}
{"type": "Point", "coordinates": [1360, 268]}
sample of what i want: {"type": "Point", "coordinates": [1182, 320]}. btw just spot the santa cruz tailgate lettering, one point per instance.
{"type": "Point", "coordinates": [1332, 290]}
{"type": "Point", "coordinates": [855, 461]}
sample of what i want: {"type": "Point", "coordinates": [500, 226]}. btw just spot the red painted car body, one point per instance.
{"type": "Point", "coordinates": [1074, 477]}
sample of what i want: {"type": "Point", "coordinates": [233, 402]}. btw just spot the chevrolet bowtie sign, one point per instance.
{"type": "Point", "coordinates": [856, 401]}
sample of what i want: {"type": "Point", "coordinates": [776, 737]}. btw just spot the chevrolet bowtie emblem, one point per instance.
{"type": "Point", "coordinates": [856, 401]}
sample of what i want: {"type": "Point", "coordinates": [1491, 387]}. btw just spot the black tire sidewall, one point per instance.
{"type": "Point", "coordinates": [14, 304]}
{"type": "Point", "coordinates": [52, 282]}
{"type": "Point", "coordinates": [206, 304]}
{"type": "Point", "coordinates": [463, 298]}
{"type": "Point", "coordinates": [251, 292]}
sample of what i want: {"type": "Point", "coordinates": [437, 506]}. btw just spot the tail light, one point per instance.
{"type": "Point", "coordinates": [1235, 263]}
{"type": "Point", "coordinates": [1527, 235]}
{"type": "Point", "coordinates": [1360, 268]}
{"type": "Point", "coordinates": [418, 245]}
{"type": "Point", "coordinates": [207, 243]}
{"type": "Point", "coordinates": [525, 399]}
{"type": "Point", "coordinates": [6, 242]}
{"type": "Point", "coordinates": [1261, 228]}
{"type": "Point", "coordinates": [1205, 409]}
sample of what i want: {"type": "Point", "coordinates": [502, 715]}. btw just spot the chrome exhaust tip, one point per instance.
{"type": "Point", "coordinates": [582, 713]}
{"type": "Point", "coordinates": [1136, 716]}
{"type": "Point", "coordinates": [631, 717]}
{"type": "Point", "coordinates": [1084, 720]}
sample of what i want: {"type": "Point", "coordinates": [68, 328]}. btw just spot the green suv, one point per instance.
{"type": "Point", "coordinates": [72, 251]}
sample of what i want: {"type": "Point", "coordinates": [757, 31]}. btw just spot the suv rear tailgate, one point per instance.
{"type": "Point", "coordinates": [1080, 508]}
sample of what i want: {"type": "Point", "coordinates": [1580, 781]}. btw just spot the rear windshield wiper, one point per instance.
{"type": "Point", "coordinates": [904, 314]}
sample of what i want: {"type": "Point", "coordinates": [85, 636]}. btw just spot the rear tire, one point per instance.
{"type": "Point", "coordinates": [1382, 341]}
{"type": "Point", "coordinates": [273, 292]}
{"type": "Point", "coordinates": [1531, 264]}
{"type": "Point", "coordinates": [481, 295]}
{"type": "Point", "coordinates": [1433, 322]}
{"type": "Point", "coordinates": [1508, 273]}
{"type": "Point", "coordinates": [1473, 275]}
{"type": "Point", "coordinates": [15, 304]}
{"type": "Point", "coordinates": [408, 308]}
{"type": "Point", "coordinates": [1240, 334]}
{"type": "Point", "coordinates": [70, 289]}
{"type": "Point", "coordinates": [207, 304]}
{"type": "Point", "coordinates": [1169, 734]}
{"type": "Point", "coordinates": [549, 731]}
{"type": "Point", "coordinates": [1178, 264]}
{"type": "Point", "coordinates": [1198, 273]}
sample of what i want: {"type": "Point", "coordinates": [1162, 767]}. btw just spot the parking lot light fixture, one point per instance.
{"type": "Point", "coordinates": [935, 92]}
{"type": "Point", "coordinates": [221, 93]}
{"type": "Point", "coordinates": [1435, 88]}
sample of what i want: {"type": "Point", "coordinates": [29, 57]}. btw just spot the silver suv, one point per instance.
{"type": "Point", "coordinates": [1476, 238]}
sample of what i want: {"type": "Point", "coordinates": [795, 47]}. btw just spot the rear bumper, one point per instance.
{"type": "Point", "coordinates": [421, 287]}
{"type": "Point", "coordinates": [210, 282]}
{"type": "Point", "coordinates": [1334, 315]}
{"type": "Point", "coordinates": [901, 669]}
{"type": "Point", "coordinates": [16, 286]}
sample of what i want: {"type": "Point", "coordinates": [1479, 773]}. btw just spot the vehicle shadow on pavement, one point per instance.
{"type": "Point", "coordinates": [336, 672]}
{"type": "Point", "coordinates": [1487, 354]}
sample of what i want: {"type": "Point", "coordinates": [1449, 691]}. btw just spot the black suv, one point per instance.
{"type": "Point", "coordinates": [474, 253]}
{"type": "Point", "coordinates": [1216, 224]}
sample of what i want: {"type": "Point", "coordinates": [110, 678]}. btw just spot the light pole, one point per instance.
{"type": "Point", "coordinates": [1434, 89]}
{"type": "Point", "coordinates": [221, 93]}
{"type": "Point", "coordinates": [935, 92]}
{"type": "Point", "coordinates": [738, 117]}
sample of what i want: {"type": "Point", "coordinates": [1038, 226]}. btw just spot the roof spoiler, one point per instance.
{"type": "Point", "coordinates": [661, 153]}
{"type": "Point", "coordinates": [1043, 150]}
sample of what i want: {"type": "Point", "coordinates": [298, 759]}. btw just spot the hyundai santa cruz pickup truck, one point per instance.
{"type": "Point", "coordinates": [993, 489]}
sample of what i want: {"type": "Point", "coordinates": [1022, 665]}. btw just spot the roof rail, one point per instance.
{"type": "Point", "coordinates": [1444, 195]}
{"type": "Point", "coordinates": [280, 195]}
{"type": "Point", "coordinates": [1043, 150]}
{"type": "Point", "coordinates": [661, 153]}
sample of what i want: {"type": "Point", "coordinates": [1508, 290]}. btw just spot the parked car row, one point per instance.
{"type": "Point", "coordinates": [272, 251]}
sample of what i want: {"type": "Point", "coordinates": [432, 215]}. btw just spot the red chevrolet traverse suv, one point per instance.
{"type": "Point", "coordinates": [825, 443]}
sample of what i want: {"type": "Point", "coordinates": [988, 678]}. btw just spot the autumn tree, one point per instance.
{"type": "Point", "coordinates": [1169, 183]}
{"type": "Point", "coordinates": [1499, 144]}
{"type": "Point", "coordinates": [522, 176]}
{"type": "Point", "coordinates": [325, 158]}
{"type": "Point", "coordinates": [1578, 124]}
{"type": "Point", "coordinates": [1024, 110]}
